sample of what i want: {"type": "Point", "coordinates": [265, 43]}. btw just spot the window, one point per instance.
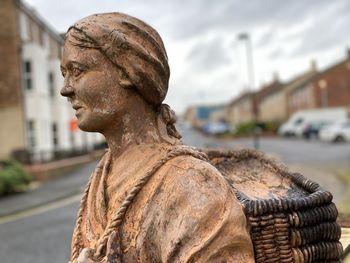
{"type": "Point", "coordinates": [35, 32]}
{"type": "Point", "coordinates": [41, 36]}
{"type": "Point", "coordinates": [72, 140]}
{"type": "Point", "coordinates": [24, 27]}
{"type": "Point", "coordinates": [55, 134]}
{"type": "Point", "coordinates": [298, 121]}
{"type": "Point", "coordinates": [51, 85]}
{"type": "Point", "coordinates": [27, 75]}
{"type": "Point", "coordinates": [31, 133]}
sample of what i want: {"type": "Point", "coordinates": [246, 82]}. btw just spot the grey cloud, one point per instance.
{"type": "Point", "coordinates": [200, 16]}
{"type": "Point", "coordinates": [266, 38]}
{"type": "Point", "coordinates": [269, 23]}
{"type": "Point", "coordinates": [207, 56]}
{"type": "Point", "coordinates": [277, 53]}
{"type": "Point", "coordinates": [326, 32]}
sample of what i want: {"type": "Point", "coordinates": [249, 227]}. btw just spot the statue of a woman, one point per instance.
{"type": "Point", "coordinates": [150, 199]}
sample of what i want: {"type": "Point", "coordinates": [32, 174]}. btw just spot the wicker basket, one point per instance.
{"type": "Point", "coordinates": [292, 219]}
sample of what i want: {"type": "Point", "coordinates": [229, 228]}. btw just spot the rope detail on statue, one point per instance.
{"type": "Point", "coordinates": [117, 219]}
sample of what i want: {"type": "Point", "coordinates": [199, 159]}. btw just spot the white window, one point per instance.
{"type": "Point", "coordinates": [46, 40]}
{"type": "Point", "coordinates": [31, 133]}
{"type": "Point", "coordinates": [27, 75]}
{"type": "Point", "coordinates": [23, 22]}
{"type": "Point", "coordinates": [55, 134]}
{"type": "Point", "coordinates": [51, 85]}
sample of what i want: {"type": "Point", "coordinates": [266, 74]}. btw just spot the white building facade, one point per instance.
{"type": "Point", "coordinates": [50, 124]}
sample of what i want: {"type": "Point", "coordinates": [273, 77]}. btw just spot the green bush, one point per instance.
{"type": "Point", "coordinates": [272, 126]}
{"type": "Point", "coordinates": [13, 178]}
{"type": "Point", "coordinates": [245, 128]}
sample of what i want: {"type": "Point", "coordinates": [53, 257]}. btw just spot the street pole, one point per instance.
{"type": "Point", "coordinates": [250, 70]}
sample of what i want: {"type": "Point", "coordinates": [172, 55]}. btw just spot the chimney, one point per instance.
{"type": "Point", "coordinates": [313, 65]}
{"type": "Point", "coordinates": [275, 77]}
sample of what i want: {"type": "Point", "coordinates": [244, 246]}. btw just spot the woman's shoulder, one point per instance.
{"type": "Point", "coordinates": [189, 176]}
{"type": "Point", "coordinates": [194, 205]}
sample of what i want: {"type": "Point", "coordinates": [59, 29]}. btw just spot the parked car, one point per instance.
{"type": "Point", "coordinates": [216, 128]}
{"type": "Point", "coordinates": [337, 132]}
{"type": "Point", "coordinates": [298, 122]}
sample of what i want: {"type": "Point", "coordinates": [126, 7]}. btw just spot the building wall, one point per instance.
{"type": "Point", "coordinates": [37, 99]}
{"type": "Point", "coordinates": [293, 88]}
{"type": "Point", "coordinates": [302, 98]}
{"type": "Point", "coordinates": [273, 107]}
{"type": "Point", "coordinates": [11, 106]}
{"type": "Point", "coordinates": [332, 88]}
{"type": "Point", "coordinates": [32, 111]}
{"type": "Point", "coordinates": [242, 111]}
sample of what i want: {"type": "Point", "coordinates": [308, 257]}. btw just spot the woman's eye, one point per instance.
{"type": "Point", "coordinates": [63, 72]}
{"type": "Point", "coordinates": [76, 72]}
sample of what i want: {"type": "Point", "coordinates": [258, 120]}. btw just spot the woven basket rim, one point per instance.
{"type": "Point", "coordinates": [317, 197]}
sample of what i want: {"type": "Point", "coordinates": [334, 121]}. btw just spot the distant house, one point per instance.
{"type": "Point", "coordinates": [274, 102]}
{"type": "Point", "coordinates": [332, 87]}
{"type": "Point", "coordinates": [299, 92]}
{"type": "Point", "coordinates": [242, 109]}
{"type": "Point", "coordinates": [34, 117]}
{"type": "Point", "coordinates": [201, 114]}
{"type": "Point", "coordinates": [328, 88]}
{"type": "Point", "coordinates": [270, 103]}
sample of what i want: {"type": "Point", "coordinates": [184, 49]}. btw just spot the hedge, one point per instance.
{"type": "Point", "coordinates": [13, 177]}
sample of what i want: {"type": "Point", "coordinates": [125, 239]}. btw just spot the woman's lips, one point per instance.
{"type": "Point", "coordinates": [76, 107]}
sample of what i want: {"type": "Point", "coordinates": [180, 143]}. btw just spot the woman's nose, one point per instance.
{"type": "Point", "coordinates": [67, 91]}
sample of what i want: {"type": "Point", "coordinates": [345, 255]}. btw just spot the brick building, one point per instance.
{"type": "Point", "coordinates": [327, 88]}
{"type": "Point", "coordinates": [332, 87]}
{"type": "Point", "coordinates": [34, 117]}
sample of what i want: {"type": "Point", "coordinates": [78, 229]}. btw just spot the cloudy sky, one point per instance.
{"type": "Point", "coordinates": [208, 63]}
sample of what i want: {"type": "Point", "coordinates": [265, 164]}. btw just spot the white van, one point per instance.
{"type": "Point", "coordinates": [299, 121]}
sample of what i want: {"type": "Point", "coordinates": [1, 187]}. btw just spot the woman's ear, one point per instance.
{"type": "Point", "coordinates": [126, 83]}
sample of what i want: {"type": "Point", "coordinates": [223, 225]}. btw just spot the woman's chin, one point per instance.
{"type": "Point", "coordinates": [84, 125]}
{"type": "Point", "coordinates": [88, 125]}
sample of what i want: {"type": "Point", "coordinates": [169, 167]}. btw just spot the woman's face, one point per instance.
{"type": "Point", "coordinates": [92, 85]}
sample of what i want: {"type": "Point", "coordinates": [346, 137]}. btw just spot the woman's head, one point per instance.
{"type": "Point", "coordinates": [132, 46]}
{"type": "Point", "coordinates": [134, 58]}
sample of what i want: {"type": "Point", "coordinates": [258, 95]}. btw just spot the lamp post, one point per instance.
{"type": "Point", "coordinates": [250, 70]}
{"type": "Point", "coordinates": [249, 55]}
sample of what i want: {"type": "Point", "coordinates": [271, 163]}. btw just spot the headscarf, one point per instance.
{"type": "Point", "coordinates": [136, 49]}
{"type": "Point", "coordinates": [131, 45]}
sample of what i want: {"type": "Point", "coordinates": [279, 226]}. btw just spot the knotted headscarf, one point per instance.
{"type": "Point", "coordinates": [131, 45]}
{"type": "Point", "coordinates": [136, 49]}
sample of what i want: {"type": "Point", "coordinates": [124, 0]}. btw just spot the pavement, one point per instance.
{"type": "Point", "coordinates": [70, 184]}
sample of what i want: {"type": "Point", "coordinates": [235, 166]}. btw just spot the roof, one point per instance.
{"type": "Point", "coordinates": [269, 89]}
{"type": "Point", "coordinates": [340, 63]}
{"type": "Point", "coordinates": [311, 75]}
{"type": "Point", "coordinates": [243, 96]}
{"type": "Point", "coordinates": [37, 18]}
{"type": "Point", "coordinates": [301, 80]}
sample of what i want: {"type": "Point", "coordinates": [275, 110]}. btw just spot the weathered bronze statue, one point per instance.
{"type": "Point", "coordinates": [152, 199]}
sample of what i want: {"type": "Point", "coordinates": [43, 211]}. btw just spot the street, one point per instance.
{"type": "Point", "coordinates": [44, 236]}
